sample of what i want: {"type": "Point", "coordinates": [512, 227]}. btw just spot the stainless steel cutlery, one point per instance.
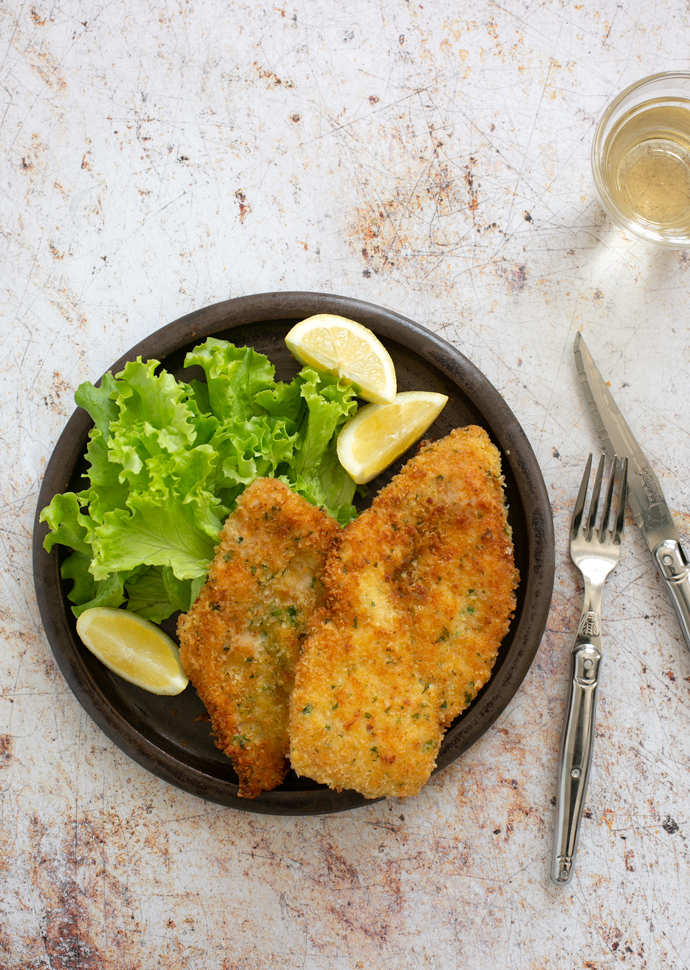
{"type": "Point", "coordinates": [595, 551]}
{"type": "Point", "coordinates": [646, 499]}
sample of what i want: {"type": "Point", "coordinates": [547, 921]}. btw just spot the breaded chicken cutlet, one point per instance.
{"type": "Point", "coordinates": [240, 641]}
{"type": "Point", "coordinates": [419, 596]}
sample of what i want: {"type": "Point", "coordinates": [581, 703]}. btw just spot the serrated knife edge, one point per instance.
{"type": "Point", "coordinates": [645, 496]}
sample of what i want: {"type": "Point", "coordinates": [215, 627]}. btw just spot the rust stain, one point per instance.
{"type": "Point", "coordinates": [472, 189]}
{"type": "Point", "coordinates": [340, 871]}
{"type": "Point", "coordinates": [54, 399]}
{"type": "Point", "coordinates": [514, 274]}
{"type": "Point", "coordinates": [420, 211]}
{"type": "Point", "coordinates": [613, 936]}
{"type": "Point", "coordinates": [43, 61]}
{"type": "Point", "coordinates": [518, 810]}
{"type": "Point", "coordinates": [245, 208]}
{"type": "Point", "coordinates": [69, 306]}
{"type": "Point", "coordinates": [35, 157]}
{"type": "Point", "coordinates": [271, 77]}
{"type": "Point", "coordinates": [6, 745]}
{"type": "Point", "coordinates": [7, 852]}
{"type": "Point", "coordinates": [53, 876]}
{"type": "Point", "coordinates": [400, 223]}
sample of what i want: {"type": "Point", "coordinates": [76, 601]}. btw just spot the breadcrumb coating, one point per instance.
{"type": "Point", "coordinates": [240, 641]}
{"type": "Point", "coordinates": [419, 596]}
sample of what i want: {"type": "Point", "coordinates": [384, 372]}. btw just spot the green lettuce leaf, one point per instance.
{"type": "Point", "coordinates": [156, 593]}
{"type": "Point", "coordinates": [86, 592]}
{"type": "Point", "coordinates": [106, 491]}
{"type": "Point", "coordinates": [157, 532]}
{"type": "Point", "coordinates": [314, 470]}
{"type": "Point", "coordinates": [67, 523]}
{"type": "Point", "coordinates": [147, 595]}
{"type": "Point", "coordinates": [99, 402]}
{"type": "Point", "coordinates": [234, 376]}
{"type": "Point", "coordinates": [158, 403]}
{"type": "Point", "coordinates": [167, 461]}
{"type": "Point", "coordinates": [252, 449]}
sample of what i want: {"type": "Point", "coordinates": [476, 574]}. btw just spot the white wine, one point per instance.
{"type": "Point", "coordinates": [646, 156]}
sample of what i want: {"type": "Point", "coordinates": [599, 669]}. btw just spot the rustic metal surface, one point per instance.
{"type": "Point", "coordinates": [429, 157]}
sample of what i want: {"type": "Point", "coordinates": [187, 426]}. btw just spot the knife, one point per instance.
{"type": "Point", "coordinates": [646, 499]}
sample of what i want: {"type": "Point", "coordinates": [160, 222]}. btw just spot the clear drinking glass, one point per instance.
{"type": "Point", "coordinates": [641, 159]}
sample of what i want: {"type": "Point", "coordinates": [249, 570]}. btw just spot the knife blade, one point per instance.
{"type": "Point", "coordinates": [645, 496]}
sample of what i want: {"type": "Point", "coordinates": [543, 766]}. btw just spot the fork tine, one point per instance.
{"type": "Point", "coordinates": [594, 504]}
{"type": "Point", "coordinates": [606, 515]}
{"type": "Point", "coordinates": [580, 503]}
{"type": "Point", "coordinates": [622, 498]}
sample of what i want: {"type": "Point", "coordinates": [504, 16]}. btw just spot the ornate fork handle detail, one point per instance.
{"type": "Point", "coordinates": [590, 626]}
{"type": "Point", "coordinates": [576, 757]}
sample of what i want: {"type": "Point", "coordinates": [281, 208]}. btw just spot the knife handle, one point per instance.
{"type": "Point", "coordinates": [675, 572]}
{"type": "Point", "coordinates": [575, 760]}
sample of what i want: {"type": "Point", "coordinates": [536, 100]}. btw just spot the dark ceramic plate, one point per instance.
{"type": "Point", "coordinates": [166, 734]}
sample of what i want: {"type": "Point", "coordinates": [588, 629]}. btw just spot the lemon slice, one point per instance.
{"type": "Point", "coordinates": [345, 349]}
{"type": "Point", "coordinates": [134, 648]}
{"type": "Point", "coordinates": [380, 433]}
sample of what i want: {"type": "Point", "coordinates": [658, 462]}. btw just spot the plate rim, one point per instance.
{"type": "Point", "coordinates": [515, 451]}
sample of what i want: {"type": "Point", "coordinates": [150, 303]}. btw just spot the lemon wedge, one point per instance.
{"type": "Point", "coordinates": [345, 349]}
{"type": "Point", "coordinates": [380, 433]}
{"type": "Point", "coordinates": [134, 648]}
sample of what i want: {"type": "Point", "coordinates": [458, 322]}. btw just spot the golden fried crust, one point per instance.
{"type": "Point", "coordinates": [240, 641]}
{"type": "Point", "coordinates": [419, 595]}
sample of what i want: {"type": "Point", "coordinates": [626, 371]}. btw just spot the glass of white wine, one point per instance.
{"type": "Point", "coordinates": [641, 159]}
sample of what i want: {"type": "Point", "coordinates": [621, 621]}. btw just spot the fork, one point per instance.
{"type": "Point", "coordinates": [596, 553]}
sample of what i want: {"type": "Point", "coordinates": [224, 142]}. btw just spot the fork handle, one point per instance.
{"type": "Point", "coordinates": [675, 571]}
{"type": "Point", "coordinates": [575, 759]}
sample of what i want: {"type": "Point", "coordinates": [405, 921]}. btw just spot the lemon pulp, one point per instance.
{"type": "Point", "coordinates": [134, 648]}
{"type": "Point", "coordinates": [345, 349]}
{"type": "Point", "coordinates": [380, 433]}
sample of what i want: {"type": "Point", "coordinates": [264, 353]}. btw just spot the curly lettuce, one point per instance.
{"type": "Point", "coordinates": [167, 461]}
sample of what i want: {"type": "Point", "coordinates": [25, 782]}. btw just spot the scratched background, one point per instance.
{"type": "Point", "coordinates": [160, 156]}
